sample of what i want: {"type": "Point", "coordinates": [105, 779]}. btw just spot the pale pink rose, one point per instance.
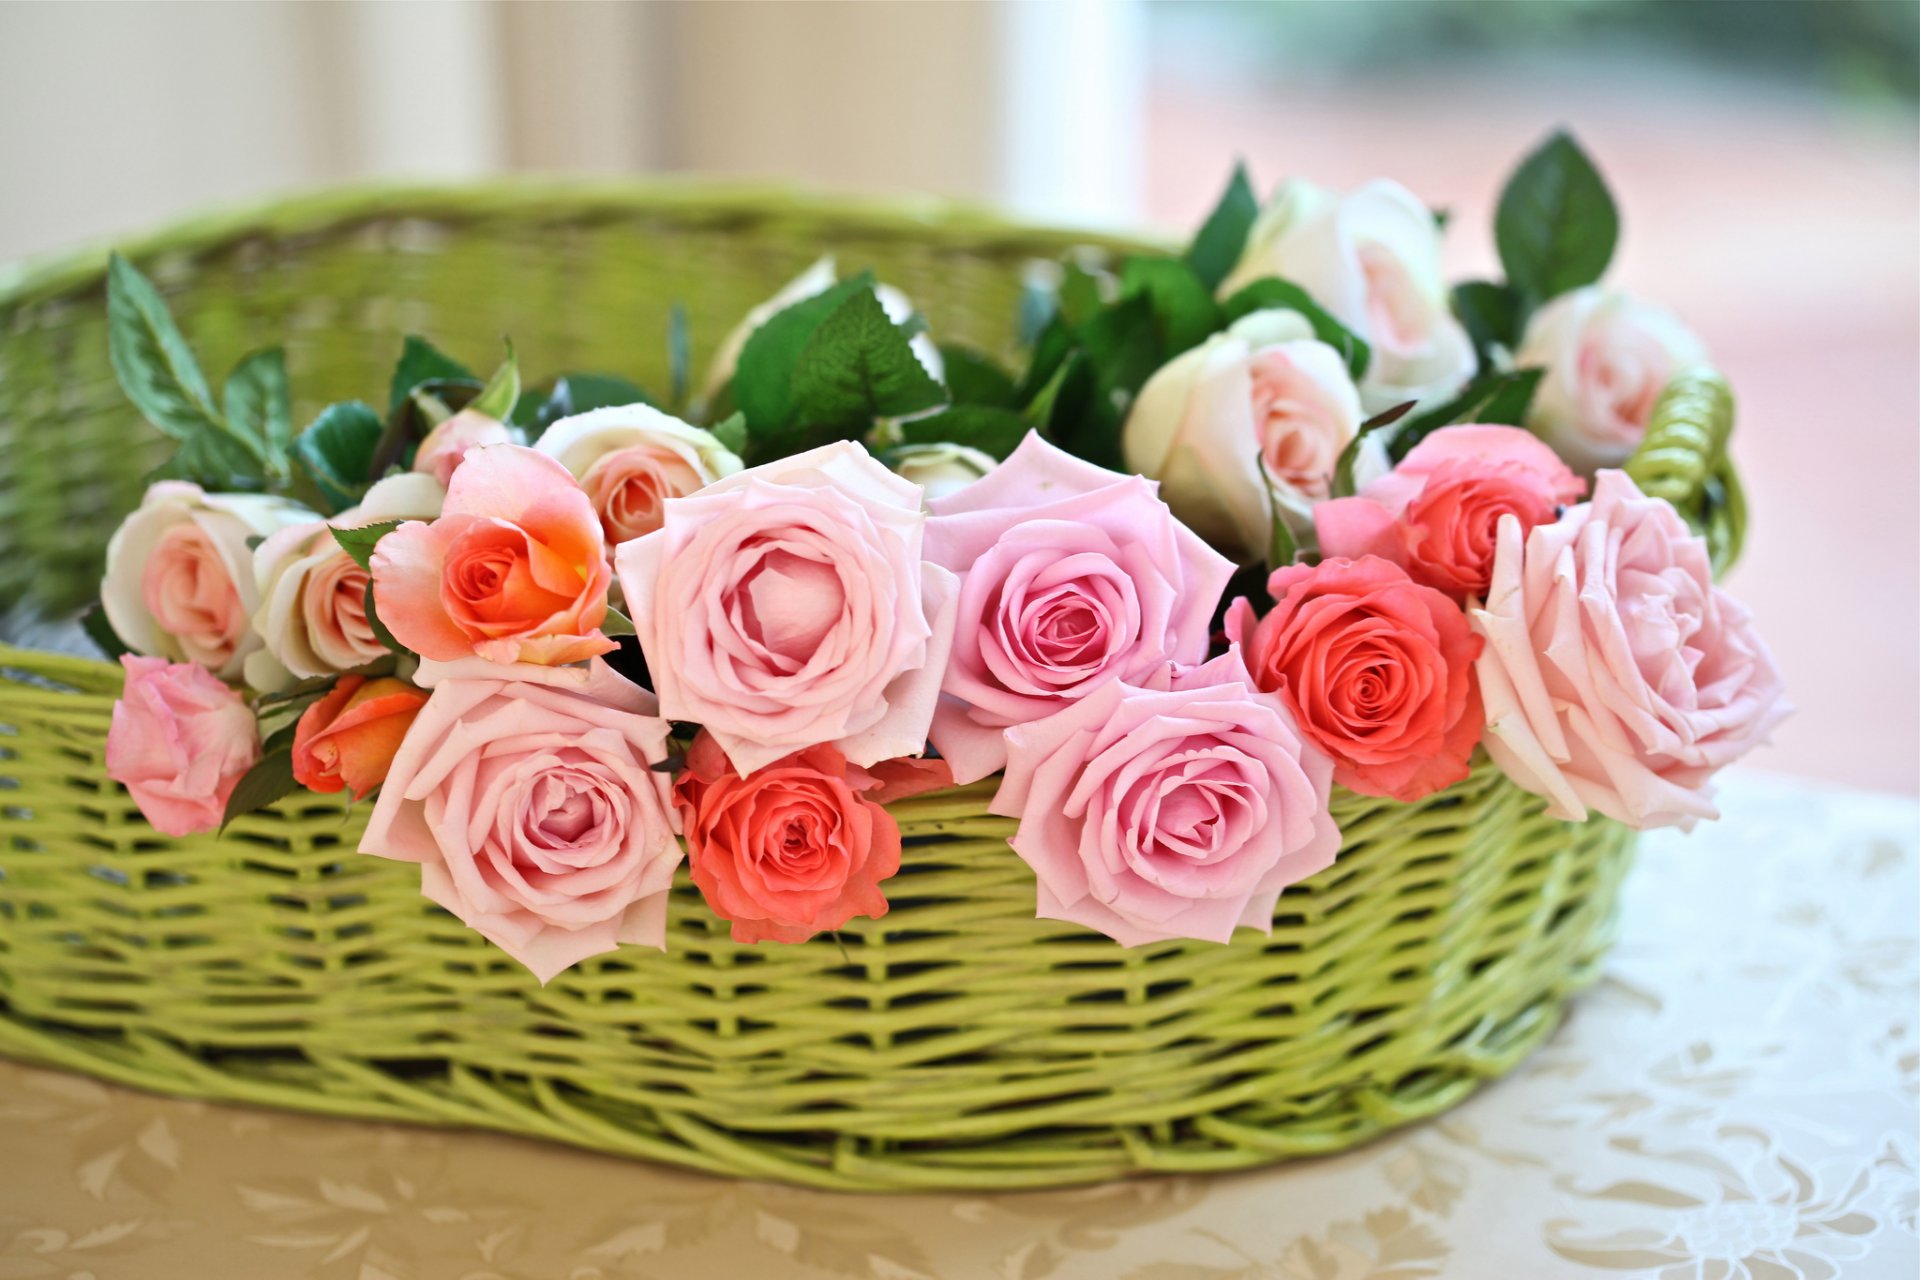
{"type": "Point", "coordinates": [446, 445]}
{"type": "Point", "coordinates": [179, 582]}
{"type": "Point", "coordinates": [533, 808]}
{"type": "Point", "coordinates": [788, 606]}
{"type": "Point", "coordinates": [1072, 577]}
{"type": "Point", "coordinates": [630, 459]}
{"type": "Point", "coordinates": [514, 569]}
{"type": "Point", "coordinates": [1616, 676]}
{"type": "Point", "coordinates": [1182, 813]}
{"type": "Point", "coordinates": [179, 741]}
{"type": "Point", "coordinates": [1607, 358]}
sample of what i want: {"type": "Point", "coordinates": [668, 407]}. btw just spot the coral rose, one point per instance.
{"type": "Point", "coordinates": [179, 740]}
{"type": "Point", "coordinates": [514, 570]}
{"type": "Point", "coordinates": [1617, 677]}
{"type": "Point", "coordinates": [348, 738]}
{"type": "Point", "coordinates": [447, 445]}
{"type": "Point", "coordinates": [1175, 813]}
{"type": "Point", "coordinates": [630, 459]}
{"type": "Point", "coordinates": [1376, 669]}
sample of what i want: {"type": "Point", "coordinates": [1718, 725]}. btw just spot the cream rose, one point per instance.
{"type": "Point", "coordinates": [939, 469]}
{"type": "Point", "coordinates": [179, 583]}
{"type": "Point", "coordinates": [1371, 258]}
{"type": "Point", "coordinates": [1607, 357]}
{"type": "Point", "coordinates": [632, 458]}
{"type": "Point", "coordinates": [1255, 415]}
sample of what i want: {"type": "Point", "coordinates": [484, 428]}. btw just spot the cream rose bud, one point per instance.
{"type": "Point", "coordinates": [1259, 409]}
{"type": "Point", "coordinates": [940, 469]}
{"type": "Point", "coordinates": [312, 614]}
{"type": "Point", "coordinates": [179, 582]}
{"type": "Point", "coordinates": [632, 458]}
{"type": "Point", "coordinates": [1607, 358]}
{"type": "Point", "coordinates": [1371, 257]}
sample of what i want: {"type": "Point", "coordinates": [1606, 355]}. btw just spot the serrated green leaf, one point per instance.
{"type": "Point", "coordinates": [259, 406]}
{"type": "Point", "coordinates": [1500, 398]}
{"type": "Point", "coordinates": [1275, 294]}
{"type": "Point", "coordinates": [1507, 403]}
{"type": "Point", "coordinates": [427, 406]}
{"type": "Point", "coordinates": [1490, 313]}
{"type": "Point", "coordinates": [421, 361]}
{"type": "Point", "coordinates": [100, 631]}
{"type": "Point", "coordinates": [1050, 351]}
{"type": "Point", "coordinates": [1556, 225]}
{"type": "Point", "coordinates": [762, 383]}
{"type": "Point", "coordinates": [1222, 238]}
{"type": "Point", "coordinates": [731, 432]}
{"type": "Point", "coordinates": [856, 367]}
{"type": "Point", "coordinates": [1080, 295]}
{"type": "Point", "coordinates": [270, 779]}
{"type": "Point", "coordinates": [1342, 485]}
{"type": "Point", "coordinates": [359, 542]}
{"type": "Point", "coordinates": [1122, 346]}
{"type": "Point", "coordinates": [679, 355]}
{"type": "Point", "coordinates": [213, 460]}
{"type": "Point", "coordinates": [1184, 312]}
{"type": "Point", "coordinates": [502, 392]}
{"type": "Point", "coordinates": [975, 378]}
{"type": "Point", "coordinates": [155, 366]}
{"type": "Point", "coordinates": [990, 429]}
{"type": "Point", "coordinates": [337, 449]}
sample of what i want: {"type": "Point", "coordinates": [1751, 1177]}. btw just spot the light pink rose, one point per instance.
{"type": "Point", "coordinates": [630, 459]}
{"type": "Point", "coordinates": [1183, 813]}
{"type": "Point", "coordinates": [1072, 577]}
{"type": "Point", "coordinates": [788, 606]}
{"type": "Point", "coordinates": [446, 446]}
{"type": "Point", "coordinates": [1616, 676]}
{"type": "Point", "coordinates": [531, 804]}
{"type": "Point", "coordinates": [179, 741]}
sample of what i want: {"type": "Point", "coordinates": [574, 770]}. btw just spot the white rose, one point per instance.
{"type": "Point", "coordinates": [1372, 259]}
{"type": "Point", "coordinates": [312, 615]}
{"type": "Point", "coordinates": [816, 279]}
{"type": "Point", "coordinates": [1255, 415]}
{"type": "Point", "coordinates": [939, 469]}
{"type": "Point", "coordinates": [1607, 358]}
{"type": "Point", "coordinates": [630, 459]}
{"type": "Point", "coordinates": [179, 582]}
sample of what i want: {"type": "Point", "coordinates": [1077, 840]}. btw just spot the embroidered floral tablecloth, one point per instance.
{"type": "Point", "coordinates": [1735, 1101]}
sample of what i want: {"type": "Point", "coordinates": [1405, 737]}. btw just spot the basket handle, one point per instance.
{"type": "Point", "coordinates": [1683, 458]}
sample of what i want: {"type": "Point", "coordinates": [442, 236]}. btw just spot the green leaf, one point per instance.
{"type": "Point", "coordinates": [100, 631]}
{"type": "Point", "coordinates": [259, 406]}
{"type": "Point", "coordinates": [679, 355]}
{"type": "Point", "coordinates": [1342, 486]}
{"type": "Point", "coordinates": [1275, 294]}
{"type": "Point", "coordinates": [858, 366]}
{"type": "Point", "coordinates": [215, 461]}
{"type": "Point", "coordinates": [1050, 351]}
{"type": "Point", "coordinates": [1500, 398]}
{"type": "Point", "coordinates": [360, 541]}
{"type": "Point", "coordinates": [973, 378]}
{"type": "Point", "coordinates": [378, 627]}
{"type": "Point", "coordinates": [270, 779]}
{"type": "Point", "coordinates": [1556, 225]}
{"type": "Point", "coordinates": [1490, 313]}
{"type": "Point", "coordinates": [155, 366]}
{"type": "Point", "coordinates": [502, 392]}
{"type": "Point", "coordinates": [1080, 296]}
{"type": "Point", "coordinates": [1507, 403]}
{"type": "Point", "coordinates": [731, 432]}
{"type": "Point", "coordinates": [1282, 548]}
{"type": "Point", "coordinates": [990, 429]}
{"type": "Point", "coordinates": [421, 361]}
{"type": "Point", "coordinates": [762, 382]}
{"type": "Point", "coordinates": [1123, 348]}
{"type": "Point", "coordinates": [616, 623]}
{"type": "Point", "coordinates": [427, 406]}
{"type": "Point", "coordinates": [1222, 238]}
{"type": "Point", "coordinates": [569, 394]}
{"type": "Point", "coordinates": [1184, 312]}
{"type": "Point", "coordinates": [337, 451]}
{"type": "Point", "coordinates": [1039, 305]}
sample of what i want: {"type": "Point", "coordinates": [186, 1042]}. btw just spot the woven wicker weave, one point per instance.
{"type": "Point", "coordinates": [956, 1042]}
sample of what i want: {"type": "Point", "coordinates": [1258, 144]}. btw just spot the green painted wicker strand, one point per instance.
{"type": "Point", "coordinates": [958, 1042]}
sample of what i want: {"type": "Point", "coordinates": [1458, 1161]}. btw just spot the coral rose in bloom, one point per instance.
{"type": "Point", "coordinates": [1376, 669]}
{"type": "Point", "coordinates": [514, 570]}
{"type": "Point", "coordinates": [630, 459]}
{"type": "Point", "coordinates": [533, 809]}
{"type": "Point", "coordinates": [179, 582]}
{"type": "Point", "coordinates": [348, 738]}
{"type": "Point", "coordinates": [1617, 677]}
{"type": "Point", "coordinates": [790, 850]}
{"type": "Point", "coordinates": [788, 606]}
{"type": "Point", "coordinates": [1072, 577]}
{"type": "Point", "coordinates": [448, 444]}
{"type": "Point", "coordinates": [1179, 813]}
{"type": "Point", "coordinates": [1436, 513]}
{"type": "Point", "coordinates": [179, 741]}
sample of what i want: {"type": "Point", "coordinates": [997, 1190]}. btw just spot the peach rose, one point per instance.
{"type": "Point", "coordinates": [447, 445]}
{"type": "Point", "coordinates": [1376, 669]}
{"type": "Point", "coordinates": [514, 570]}
{"type": "Point", "coordinates": [348, 738]}
{"type": "Point", "coordinates": [1617, 677]}
{"type": "Point", "coordinates": [630, 459]}
{"type": "Point", "coordinates": [533, 808]}
{"type": "Point", "coordinates": [790, 850]}
{"type": "Point", "coordinates": [179, 741]}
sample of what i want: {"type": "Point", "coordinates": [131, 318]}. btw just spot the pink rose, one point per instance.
{"type": "Point", "coordinates": [630, 459]}
{"type": "Point", "coordinates": [1376, 669]}
{"type": "Point", "coordinates": [788, 606]}
{"type": "Point", "coordinates": [447, 445]}
{"type": "Point", "coordinates": [533, 809]}
{"type": "Point", "coordinates": [179, 741]}
{"type": "Point", "coordinates": [1617, 677]}
{"type": "Point", "coordinates": [1071, 577]}
{"type": "Point", "coordinates": [514, 570]}
{"type": "Point", "coordinates": [1435, 514]}
{"type": "Point", "coordinates": [1152, 815]}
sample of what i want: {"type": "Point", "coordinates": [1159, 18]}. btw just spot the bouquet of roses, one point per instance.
{"type": "Point", "coordinates": [1278, 514]}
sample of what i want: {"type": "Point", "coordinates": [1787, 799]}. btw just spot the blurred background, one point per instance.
{"type": "Point", "coordinates": [1766, 155]}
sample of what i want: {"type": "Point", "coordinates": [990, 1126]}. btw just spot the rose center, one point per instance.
{"type": "Point", "coordinates": [1397, 316]}
{"type": "Point", "coordinates": [789, 603]}
{"type": "Point", "coordinates": [189, 593]}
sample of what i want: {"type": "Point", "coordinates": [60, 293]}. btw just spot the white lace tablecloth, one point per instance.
{"type": "Point", "coordinates": [1735, 1101]}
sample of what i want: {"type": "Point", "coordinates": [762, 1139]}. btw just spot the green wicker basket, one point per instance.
{"type": "Point", "coordinates": [957, 1042]}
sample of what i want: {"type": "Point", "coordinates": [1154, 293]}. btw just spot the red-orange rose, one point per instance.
{"type": "Point", "coordinates": [348, 738]}
{"type": "Point", "coordinates": [1377, 670]}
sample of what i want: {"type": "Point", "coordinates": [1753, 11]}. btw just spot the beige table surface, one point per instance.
{"type": "Point", "coordinates": [1735, 1101]}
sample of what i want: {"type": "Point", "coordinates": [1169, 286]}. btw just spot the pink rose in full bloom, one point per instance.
{"type": "Point", "coordinates": [448, 444]}
{"type": "Point", "coordinates": [514, 570]}
{"type": "Point", "coordinates": [1071, 577]}
{"type": "Point", "coordinates": [631, 458]}
{"type": "Point", "coordinates": [1617, 677]}
{"type": "Point", "coordinates": [533, 808]}
{"type": "Point", "coordinates": [1173, 813]}
{"type": "Point", "coordinates": [788, 606]}
{"type": "Point", "coordinates": [1435, 514]}
{"type": "Point", "coordinates": [792, 849]}
{"type": "Point", "coordinates": [1376, 669]}
{"type": "Point", "coordinates": [179, 741]}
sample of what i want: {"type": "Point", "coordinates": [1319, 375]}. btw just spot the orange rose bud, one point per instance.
{"type": "Point", "coordinates": [349, 738]}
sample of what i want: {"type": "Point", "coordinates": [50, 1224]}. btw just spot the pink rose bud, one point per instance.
{"type": "Point", "coordinates": [179, 741]}
{"type": "Point", "coordinates": [447, 445]}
